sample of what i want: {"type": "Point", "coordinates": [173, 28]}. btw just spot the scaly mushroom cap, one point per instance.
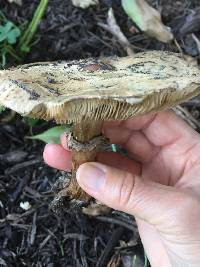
{"type": "Point", "coordinates": [111, 88]}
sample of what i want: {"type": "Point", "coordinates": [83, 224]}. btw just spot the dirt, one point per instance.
{"type": "Point", "coordinates": [37, 237]}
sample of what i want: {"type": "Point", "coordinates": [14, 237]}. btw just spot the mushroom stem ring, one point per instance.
{"type": "Point", "coordinates": [98, 143]}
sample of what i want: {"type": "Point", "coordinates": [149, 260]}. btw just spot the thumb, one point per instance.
{"type": "Point", "coordinates": [124, 191]}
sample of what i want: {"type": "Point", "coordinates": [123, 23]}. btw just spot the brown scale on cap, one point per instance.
{"type": "Point", "coordinates": [98, 66]}
{"type": "Point", "coordinates": [91, 67]}
{"type": "Point", "coordinates": [89, 91]}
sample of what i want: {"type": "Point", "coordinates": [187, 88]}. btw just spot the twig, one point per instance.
{"type": "Point", "coordinates": [114, 239]}
{"type": "Point", "coordinates": [194, 103]}
{"type": "Point", "coordinates": [33, 230]}
{"type": "Point", "coordinates": [113, 28]}
{"type": "Point", "coordinates": [45, 241]}
{"type": "Point", "coordinates": [178, 47]}
{"type": "Point", "coordinates": [196, 41]}
{"type": "Point", "coordinates": [116, 221]}
{"type": "Point", "coordinates": [22, 165]}
{"type": "Point", "coordinates": [19, 188]}
{"type": "Point", "coordinates": [77, 236]}
{"type": "Point", "coordinates": [186, 116]}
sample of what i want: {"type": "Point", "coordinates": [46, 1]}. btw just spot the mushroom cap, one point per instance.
{"type": "Point", "coordinates": [99, 89]}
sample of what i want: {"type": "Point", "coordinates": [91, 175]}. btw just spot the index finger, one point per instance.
{"type": "Point", "coordinates": [161, 139]}
{"type": "Point", "coordinates": [160, 129]}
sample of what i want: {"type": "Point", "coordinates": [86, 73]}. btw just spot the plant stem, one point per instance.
{"type": "Point", "coordinates": [28, 35]}
{"type": "Point", "coordinates": [12, 52]}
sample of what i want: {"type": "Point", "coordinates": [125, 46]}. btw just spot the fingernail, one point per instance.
{"type": "Point", "coordinates": [63, 139]}
{"type": "Point", "coordinates": [91, 176]}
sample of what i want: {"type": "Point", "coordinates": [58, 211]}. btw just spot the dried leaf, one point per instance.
{"type": "Point", "coordinates": [113, 28]}
{"type": "Point", "coordinates": [187, 117]}
{"type": "Point", "coordinates": [96, 209]}
{"type": "Point", "coordinates": [85, 3]}
{"type": "Point", "coordinates": [114, 261]}
{"type": "Point", "coordinates": [147, 19]}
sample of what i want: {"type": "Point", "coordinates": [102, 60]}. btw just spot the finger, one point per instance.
{"type": "Point", "coordinates": [161, 129]}
{"type": "Point", "coordinates": [180, 145]}
{"type": "Point", "coordinates": [57, 157]}
{"type": "Point", "coordinates": [167, 128]}
{"type": "Point", "coordinates": [166, 139]}
{"type": "Point", "coordinates": [129, 193]}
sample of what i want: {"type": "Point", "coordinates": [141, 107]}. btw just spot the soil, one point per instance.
{"type": "Point", "coordinates": [37, 237]}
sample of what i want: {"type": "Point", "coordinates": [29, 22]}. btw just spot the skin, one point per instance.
{"type": "Point", "coordinates": [159, 183]}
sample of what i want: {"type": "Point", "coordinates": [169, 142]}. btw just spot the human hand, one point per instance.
{"type": "Point", "coordinates": [160, 185]}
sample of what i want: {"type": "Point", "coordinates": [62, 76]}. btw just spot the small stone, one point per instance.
{"type": "Point", "coordinates": [25, 205]}
{"type": "Point", "coordinates": [84, 3]}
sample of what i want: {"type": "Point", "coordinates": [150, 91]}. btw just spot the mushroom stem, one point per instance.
{"type": "Point", "coordinates": [83, 133]}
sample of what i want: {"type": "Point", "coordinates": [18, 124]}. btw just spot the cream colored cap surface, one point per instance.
{"type": "Point", "coordinates": [109, 88]}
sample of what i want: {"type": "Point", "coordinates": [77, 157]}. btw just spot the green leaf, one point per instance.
{"type": "Point", "coordinates": [9, 25]}
{"type": "Point", "coordinates": [9, 32]}
{"type": "Point", "coordinates": [52, 136]}
{"type": "Point", "coordinates": [13, 35]}
{"type": "Point", "coordinates": [25, 49]}
{"type": "Point", "coordinates": [132, 10]}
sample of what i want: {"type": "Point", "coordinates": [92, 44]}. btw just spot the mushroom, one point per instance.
{"type": "Point", "coordinates": [89, 91]}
